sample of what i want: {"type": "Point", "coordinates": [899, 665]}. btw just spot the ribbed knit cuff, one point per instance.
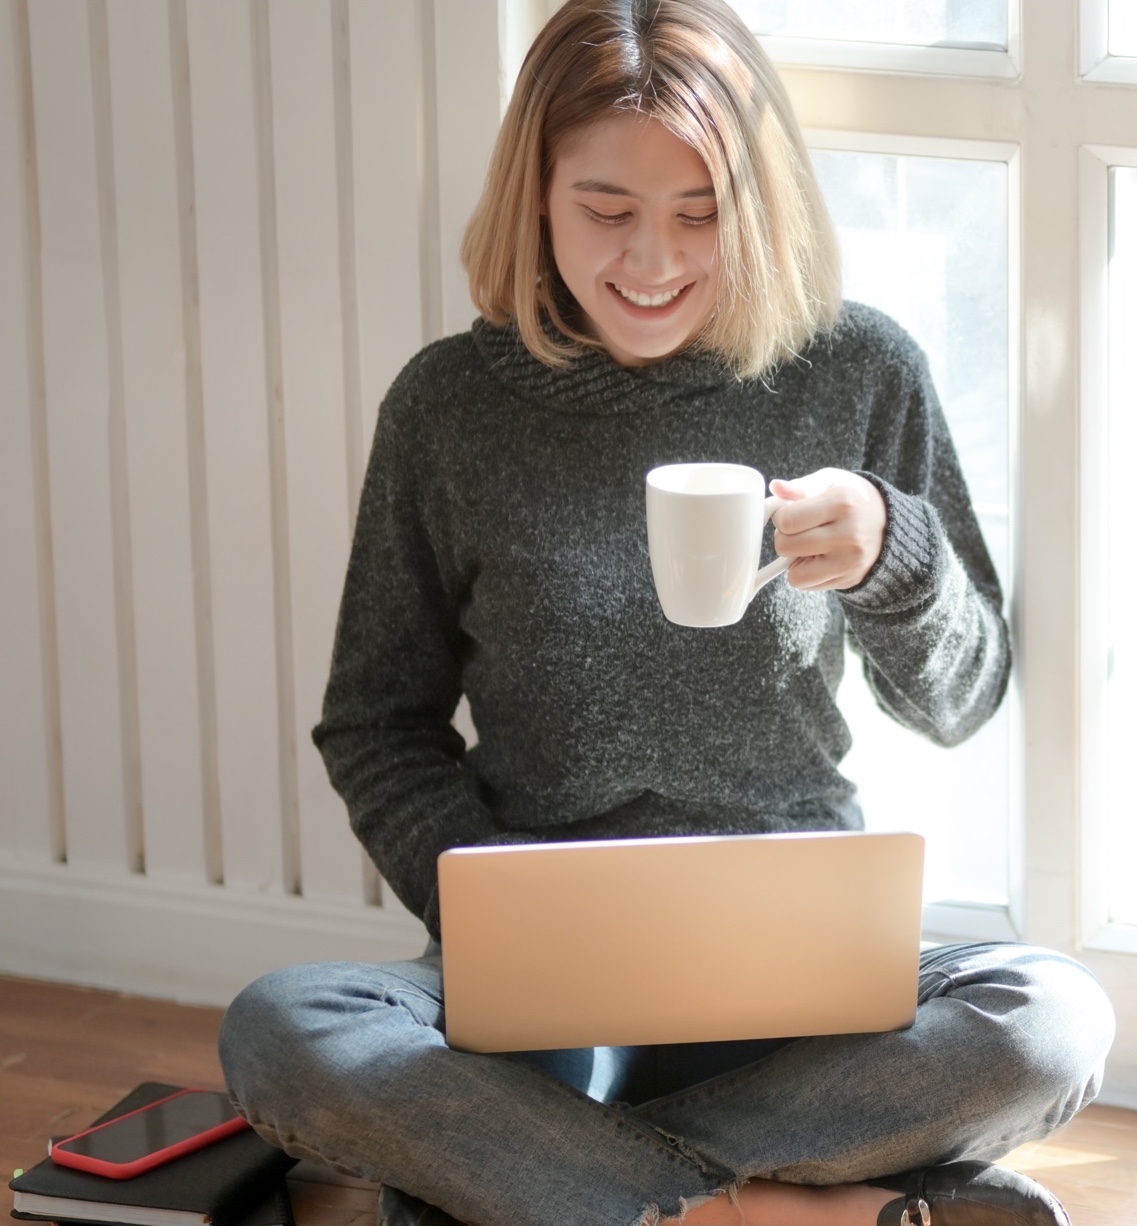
{"type": "Point", "coordinates": [910, 557]}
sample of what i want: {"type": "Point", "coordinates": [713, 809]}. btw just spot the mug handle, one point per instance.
{"type": "Point", "coordinates": [774, 568]}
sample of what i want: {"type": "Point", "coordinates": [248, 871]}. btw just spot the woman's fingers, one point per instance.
{"type": "Point", "coordinates": [832, 526]}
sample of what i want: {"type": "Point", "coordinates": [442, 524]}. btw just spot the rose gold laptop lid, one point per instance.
{"type": "Point", "coordinates": [679, 940]}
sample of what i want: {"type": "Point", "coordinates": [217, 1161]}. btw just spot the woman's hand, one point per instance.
{"type": "Point", "coordinates": [833, 529]}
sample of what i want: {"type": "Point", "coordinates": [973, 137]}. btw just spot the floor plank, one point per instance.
{"type": "Point", "coordinates": [1091, 1166]}
{"type": "Point", "coordinates": [67, 1054]}
{"type": "Point", "coordinates": [322, 1205]}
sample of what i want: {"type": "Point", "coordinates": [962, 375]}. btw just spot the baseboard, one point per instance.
{"type": "Point", "coordinates": [177, 940]}
{"type": "Point", "coordinates": [1119, 1089]}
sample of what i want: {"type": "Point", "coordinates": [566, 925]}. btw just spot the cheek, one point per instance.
{"type": "Point", "coordinates": [580, 252]}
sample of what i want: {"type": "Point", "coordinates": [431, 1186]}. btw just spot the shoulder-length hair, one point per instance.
{"type": "Point", "coordinates": [694, 66]}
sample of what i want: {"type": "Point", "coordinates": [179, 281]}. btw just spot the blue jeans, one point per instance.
{"type": "Point", "coordinates": [348, 1063]}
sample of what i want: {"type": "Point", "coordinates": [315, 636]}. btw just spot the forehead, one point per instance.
{"type": "Point", "coordinates": [630, 149]}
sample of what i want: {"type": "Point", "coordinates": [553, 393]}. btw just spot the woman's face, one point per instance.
{"type": "Point", "coordinates": [633, 223]}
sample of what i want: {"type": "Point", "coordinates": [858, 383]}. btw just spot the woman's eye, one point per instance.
{"type": "Point", "coordinates": [608, 219]}
{"type": "Point", "coordinates": [616, 219]}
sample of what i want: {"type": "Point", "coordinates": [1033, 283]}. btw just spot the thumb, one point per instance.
{"type": "Point", "coordinates": [791, 491]}
{"type": "Point", "coordinates": [808, 486]}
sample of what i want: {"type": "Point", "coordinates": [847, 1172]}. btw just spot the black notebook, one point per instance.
{"type": "Point", "coordinates": [238, 1181]}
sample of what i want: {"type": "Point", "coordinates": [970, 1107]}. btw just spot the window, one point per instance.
{"type": "Point", "coordinates": [924, 237]}
{"type": "Point", "coordinates": [1121, 809]}
{"type": "Point", "coordinates": [1109, 585]}
{"type": "Point", "coordinates": [884, 118]}
{"type": "Point", "coordinates": [971, 24]}
{"type": "Point", "coordinates": [1109, 40]}
{"type": "Point", "coordinates": [1122, 38]}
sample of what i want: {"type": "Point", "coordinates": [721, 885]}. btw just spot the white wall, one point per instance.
{"type": "Point", "coordinates": [224, 227]}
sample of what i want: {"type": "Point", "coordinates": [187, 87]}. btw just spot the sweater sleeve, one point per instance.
{"type": "Point", "coordinates": [385, 732]}
{"type": "Point", "coordinates": [928, 617]}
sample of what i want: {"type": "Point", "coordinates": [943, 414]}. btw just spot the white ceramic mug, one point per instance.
{"type": "Point", "coordinates": [704, 535]}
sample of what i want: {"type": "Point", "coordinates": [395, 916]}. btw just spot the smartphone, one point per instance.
{"type": "Point", "coordinates": [157, 1133]}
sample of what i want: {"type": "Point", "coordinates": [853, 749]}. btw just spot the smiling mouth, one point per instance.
{"type": "Point", "coordinates": [662, 299]}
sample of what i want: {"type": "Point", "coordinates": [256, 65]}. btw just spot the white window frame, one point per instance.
{"type": "Point", "coordinates": [898, 57]}
{"type": "Point", "coordinates": [901, 57]}
{"type": "Point", "coordinates": [1093, 45]}
{"type": "Point", "coordinates": [1097, 930]}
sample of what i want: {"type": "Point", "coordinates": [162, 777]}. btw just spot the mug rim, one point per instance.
{"type": "Point", "coordinates": [660, 478]}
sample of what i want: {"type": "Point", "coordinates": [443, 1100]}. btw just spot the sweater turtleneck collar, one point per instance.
{"type": "Point", "coordinates": [593, 382]}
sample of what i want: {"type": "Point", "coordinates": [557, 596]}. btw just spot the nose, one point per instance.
{"type": "Point", "coordinates": [653, 256]}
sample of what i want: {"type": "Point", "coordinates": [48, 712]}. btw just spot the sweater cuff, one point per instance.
{"type": "Point", "coordinates": [910, 556]}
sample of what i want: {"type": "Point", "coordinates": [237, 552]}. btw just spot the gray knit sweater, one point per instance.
{"type": "Point", "coordinates": [501, 551]}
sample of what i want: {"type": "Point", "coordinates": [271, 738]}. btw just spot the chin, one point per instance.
{"type": "Point", "coordinates": [664, 351]}
{"type": "Point", "coordinates": [641, 351]}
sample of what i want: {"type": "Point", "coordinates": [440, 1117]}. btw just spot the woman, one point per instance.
{"type": "Point", "coordinates": [658, 281]}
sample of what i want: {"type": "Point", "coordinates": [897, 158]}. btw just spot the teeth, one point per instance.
{"type": "Point", "coordinates": [648, 300]}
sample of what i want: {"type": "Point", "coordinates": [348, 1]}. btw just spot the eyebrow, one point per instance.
{"type": "Point", "coordinates": [611, 189]}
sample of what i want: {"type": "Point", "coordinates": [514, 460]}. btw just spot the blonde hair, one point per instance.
{"type": "Point", "coordinates": [694, 66]}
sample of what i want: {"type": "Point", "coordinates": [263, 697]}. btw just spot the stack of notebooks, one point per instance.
{"type": "Point", "coordinates": [238, 1181]}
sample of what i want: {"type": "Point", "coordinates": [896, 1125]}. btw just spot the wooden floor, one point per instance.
{"type": "Point", "coordinates": [67, 1054]}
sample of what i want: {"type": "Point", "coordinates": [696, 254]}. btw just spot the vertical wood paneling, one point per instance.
{"type": "Point", "coordinates": [274, 390]}
{"type": "Point", "coordinates": [315, 425]}
{"type": "Point", "coordinates": [30, 816]}
{"type": "Point", "coordinates": [237, 443]}
{"type": "Point", "coordinates": [385, 81]}
{"type": "Point", "coordinates": [79, 439]}
{"type": "Point", "coordinates": [195, 441]}
{"type": "Point", "coordinates": [343, 123]}
{"type": "Point", "coordinates": [371, 890]}
{"type": "Point", "coordinates": [386, 58]}
{"type": "Point", "coordinates": [467, 103]}
{"type": "Point", "coordinates": [250, 217]}
{"type": "Point", "coordinates": [466, 41]}
{"type": "Point", "coordinates": [99, 56]}
{"type": "Point", "coordinates": [154, 353]}
{"type": "Point", "coordinates": [426, 136]}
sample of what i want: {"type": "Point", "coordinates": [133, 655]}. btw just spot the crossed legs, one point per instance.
{"type": "Point", "coordinates": [348, 1063]}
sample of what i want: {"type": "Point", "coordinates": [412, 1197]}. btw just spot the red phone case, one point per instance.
{"type": "Point", "coordinates": [127, 1170]}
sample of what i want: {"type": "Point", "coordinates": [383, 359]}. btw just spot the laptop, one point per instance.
{"type": "Point", "coordinates": [679, 940]}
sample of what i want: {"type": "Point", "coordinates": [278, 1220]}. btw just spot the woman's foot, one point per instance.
{"type": "Point", "coordinates": [962, 1193]}
{"type": "Point", "coordinates": [956, 1194]}
{"type": "Point", "coordinates": [763, 1202]}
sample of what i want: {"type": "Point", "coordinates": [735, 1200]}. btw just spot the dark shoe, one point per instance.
{"type": "Point", "coordinates": [968, 1194]}
{"type": "Point", "coordinates": [398, 1208]}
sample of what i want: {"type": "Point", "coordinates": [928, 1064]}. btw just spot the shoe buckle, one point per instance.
{"type": "Point", "coordinates": [916, 1213]}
